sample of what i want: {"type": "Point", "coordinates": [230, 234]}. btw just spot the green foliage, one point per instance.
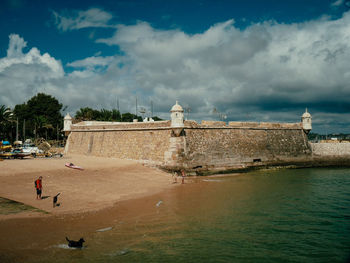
{"type": "Point", "coordinates": [155, 118]}
{"type": "Point", "coordinates": [6, 119]}
{"type": "Point", "coordinates": [5, 114]}
{"type": "Point", "coordinates": [129, 117]}
{"type": "Point", "coordinates": [88, 114]}
{"type": "Point", "coordinates": [46, 106]}
{"type": "Point", "coordinates": [41, 116]}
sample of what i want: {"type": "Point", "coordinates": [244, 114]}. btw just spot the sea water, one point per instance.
{"type": "Point", "coordinates": [300, 215]}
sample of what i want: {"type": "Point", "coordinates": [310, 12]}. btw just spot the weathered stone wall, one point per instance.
{"type": "Point", "coordinates": [125, 144]}
{"type": "Point", "coordinates": [330, 149]}
{"type": "Point", "coordinates": [209, 144]}
{"type": "Point", "coordinates": [224, 147]}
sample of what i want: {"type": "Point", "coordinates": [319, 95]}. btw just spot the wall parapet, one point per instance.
{"type": "Point", "coordinates": [112, 126]}
{"type": "Point", "coordinates": [165, 125]}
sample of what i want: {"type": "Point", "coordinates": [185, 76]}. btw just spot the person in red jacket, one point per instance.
{"type": "Point", "coordinates": [38, 187]}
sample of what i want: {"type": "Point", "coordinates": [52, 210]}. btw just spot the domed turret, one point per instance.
{"type": "Point", "coordinates": [306, 121]}
{"type": "Point", "coordinates": [67, 123]}
{"type": "Point", "coordinates": [177, 116]}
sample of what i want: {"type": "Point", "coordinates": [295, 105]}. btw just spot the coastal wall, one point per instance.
{"type": "Point", "coordinates": [136, 141]}
{"type": "Point", "coordinates": [209, 145]}
{"type": "Point", "coordinates": [223, 147]}
{"type": "Point", "coordinates": [217, 145]}
{"type": "Point", "coordinates": [330, 149]}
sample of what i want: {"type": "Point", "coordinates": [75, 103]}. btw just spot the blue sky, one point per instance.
{"type": "Point", "coordinates": [251, 60]}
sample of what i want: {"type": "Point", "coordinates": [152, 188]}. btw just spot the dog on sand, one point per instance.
{"type": "Point", "coordinates": [77, 244]}
{"type": "Point", "coordinates": [54, 202]}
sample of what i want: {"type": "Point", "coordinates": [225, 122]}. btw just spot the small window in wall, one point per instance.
{"type": "Point", "coordinates": [257, 160]}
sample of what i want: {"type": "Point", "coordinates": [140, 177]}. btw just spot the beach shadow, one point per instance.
{"type": "Point", "coordinates": [8, 206]}
{"type": "Point", "coordinates": [44, 197]}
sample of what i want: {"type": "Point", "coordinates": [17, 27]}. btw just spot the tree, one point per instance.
{"type": "Point", "coordinates": [87, 114]}
{"type": "Point", "coordinates": [155, 118]}
{"type": "Point", "coordinates": [39, 112]}
{"type": "Point", "coordinates": [6, 117]}
{"type": "Point", "coordinates": [46, 106]}
{"type": "Point", "coordinates": [129, 117]}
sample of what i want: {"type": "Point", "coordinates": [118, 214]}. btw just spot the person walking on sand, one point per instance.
{"type": "Point", "coordinates": [38, 187]}
{"type": "Point", "coordinates": [183, 176]}
{"type": "Point", "coordinates": [174, 177]}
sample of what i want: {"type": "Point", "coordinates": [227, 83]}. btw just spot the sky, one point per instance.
{"type": "Point", "coordinates": [250, 60]}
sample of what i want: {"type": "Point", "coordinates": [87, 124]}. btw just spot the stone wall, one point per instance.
{"type": "Point", "coordinates": [148, 145]}
{"type": "Point", "coordinates": [209, 144]}
{"type": "Point", "coordinates": [330, 149]}
{"type": "Point", "coordinates": [227, 147]}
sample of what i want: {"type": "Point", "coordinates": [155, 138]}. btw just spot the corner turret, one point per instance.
{"type": "Point", "coordinates": [177, 116]}
{"type": "Point", "coordinates": [306, 121]}
{"type": "Point", "coordinates": [67, 124]}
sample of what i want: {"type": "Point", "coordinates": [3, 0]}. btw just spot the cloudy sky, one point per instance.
{"type": "Point", "coordinates": [251, 60]}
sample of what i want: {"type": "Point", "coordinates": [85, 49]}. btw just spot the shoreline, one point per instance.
{"type": "Point", "coordinates": [106, 181]}
{"type": "Point", "coordinates": [36, 232]}
{"type": "Point", "coordinates": [292, 163]}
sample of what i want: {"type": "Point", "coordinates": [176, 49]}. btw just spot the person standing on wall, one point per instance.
{"type": "Point", "coordinates": [38, 187]}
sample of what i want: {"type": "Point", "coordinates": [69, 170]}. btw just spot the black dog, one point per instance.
{"type": "Point", "coordinates": [77, 244]}
{"type": "Point", "coordinates": [55, 200]}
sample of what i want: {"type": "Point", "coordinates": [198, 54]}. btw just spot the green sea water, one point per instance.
{"type": "Point", "coordinates": [300, 215]}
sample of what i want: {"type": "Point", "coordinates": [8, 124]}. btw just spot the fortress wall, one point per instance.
{"type": "Point", "coordinates": [209, 144]}
{"type": "Point", "coordinates": [124, 144]}
{"type": "Point", "coordinates": [225, 147]}
{"type": "Point", "coordinates": [330, 149]}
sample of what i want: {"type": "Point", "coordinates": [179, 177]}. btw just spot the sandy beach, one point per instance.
{"type": "Point", "coordinates": [102, 183]}
{"type": "Point", "coordinates": [107, 191]}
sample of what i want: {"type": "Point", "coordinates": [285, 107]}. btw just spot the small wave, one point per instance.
{"type": "Point", "coordinates": [120, 253]}
{"type": "Point", "coordinates": [65, 246]}
{"type": "Point", "coordinates": [104, 229]}
{"type": "Point", "coordinates": [212, 180]}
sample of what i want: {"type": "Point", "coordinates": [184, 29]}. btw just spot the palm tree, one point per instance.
{"type": "Point", "coordinates": [5, 119]}
{"type": "Point", "coordinates": [5, 114]}
{"type": "Point", "coordinates": [39, 123]}
{"type": "Point", "coordinates": [47, 126]}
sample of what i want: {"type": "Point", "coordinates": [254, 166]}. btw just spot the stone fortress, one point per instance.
{"type": "Point", "coordinates": [200, 148]}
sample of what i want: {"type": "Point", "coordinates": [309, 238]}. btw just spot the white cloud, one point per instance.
{"type": "Point", "coordinates": [16, 46]}
{"type": "Point", "coordinates": [96, 61]}
{"type": "Point", "coordinates": [25, 73]}
{"type": "Point", "coordinates": [337, 3]}
{"type": "Point", "coordinates": [266, 67]}
{"type": "Point", "coordinates": [93, 17]}
{"type": "Point", "coordinates": [266, 72]}
{"type": "Point", "coordinates": [17, 60]}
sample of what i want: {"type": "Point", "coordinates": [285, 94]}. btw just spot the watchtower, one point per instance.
{"type": "Point", "coordinates": [177, 116]}
{"type": "Point", "coordinates": [306, 121]}
{"type": "Point", "coordinates": [67, 124]}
